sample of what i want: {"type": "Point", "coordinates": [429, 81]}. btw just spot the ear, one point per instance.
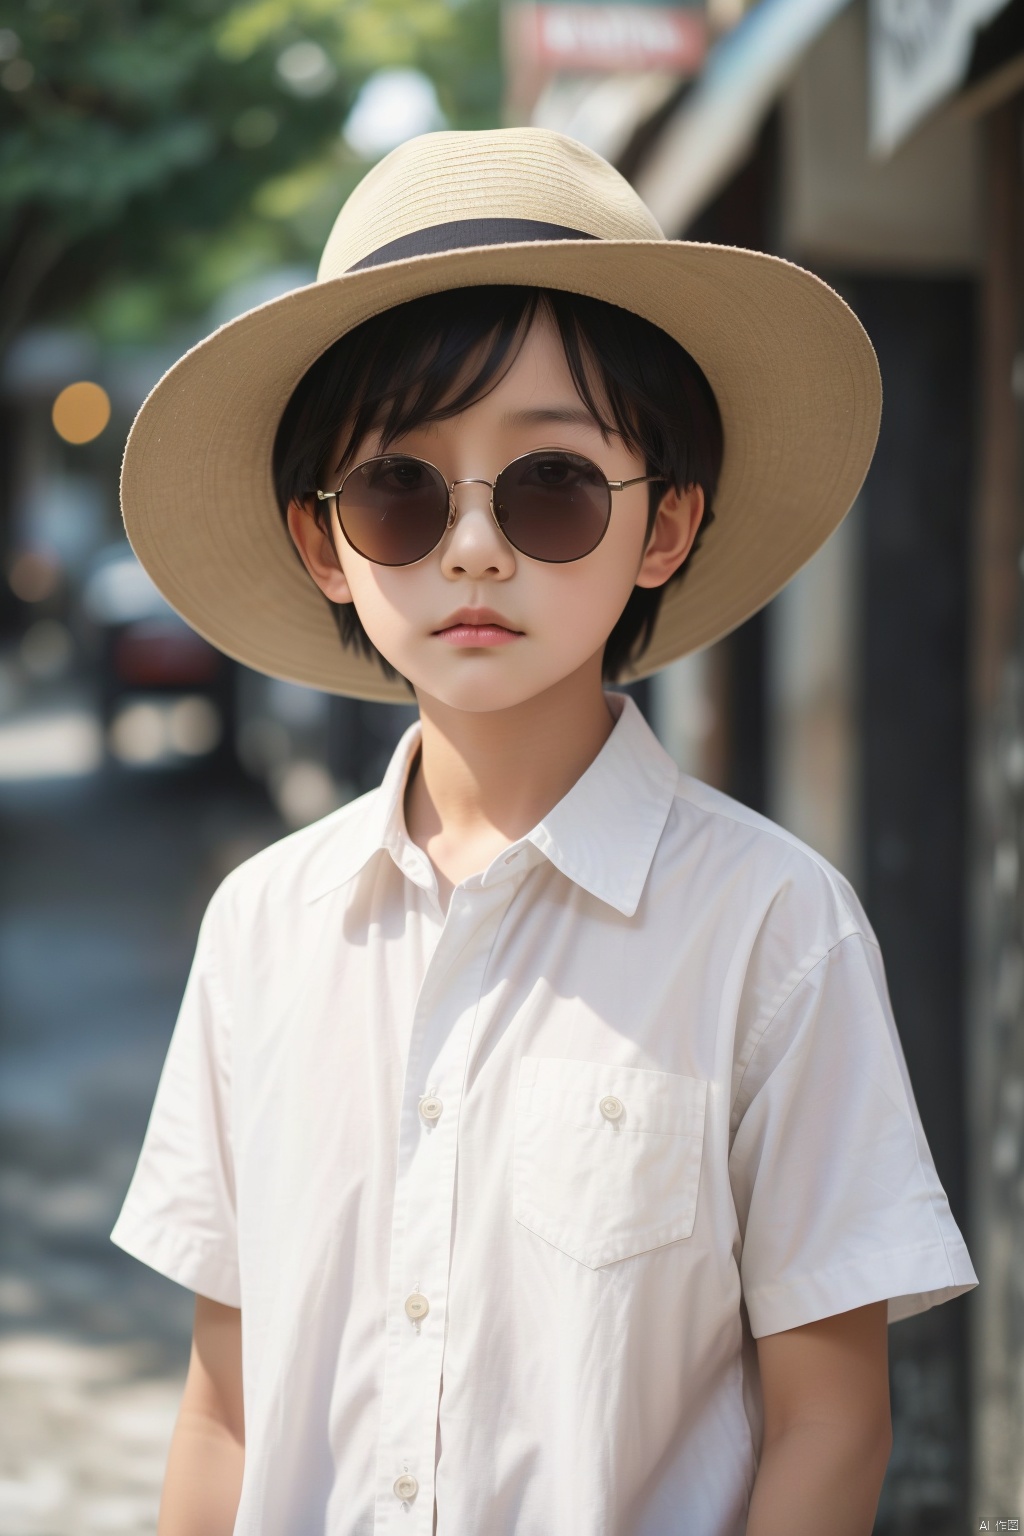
{"type": "Point", "coordinates": [318, 552]}
{"type": "Point", "coordinates": [675, 528]}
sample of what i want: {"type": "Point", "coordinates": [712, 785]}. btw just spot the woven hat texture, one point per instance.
{"type": "Point", "coordinates": [792, 369]}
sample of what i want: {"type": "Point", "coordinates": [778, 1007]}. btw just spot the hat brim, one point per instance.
{"type": "Point", "coordinates": [793, 372]}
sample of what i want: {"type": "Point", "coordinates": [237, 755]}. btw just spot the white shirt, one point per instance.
{"type": "Point", "coordinates": [634, 1101]}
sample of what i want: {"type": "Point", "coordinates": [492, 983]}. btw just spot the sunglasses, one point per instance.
{"type": "Point", "coordinates": [550, 505]}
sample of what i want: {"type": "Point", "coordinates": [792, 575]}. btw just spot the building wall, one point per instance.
{"type": "Point", "coordinates": [996, 1000]}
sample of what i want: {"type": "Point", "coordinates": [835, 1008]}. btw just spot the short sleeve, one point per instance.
{"type": "Point", "coordinates": [179, 1212]}
{"type": "Point", "coordinates": [837, 1196]}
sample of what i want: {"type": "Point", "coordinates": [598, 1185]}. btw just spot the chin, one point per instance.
{"type": "Point", "coordinates": [481, 698]}
{"type": "Point", "coordinates": [480, 691]}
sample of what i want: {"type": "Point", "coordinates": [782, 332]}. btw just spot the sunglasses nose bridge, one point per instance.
{"type": "Point", "coordinates": [468, 480]}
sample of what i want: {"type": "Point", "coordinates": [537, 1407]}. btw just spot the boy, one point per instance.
{"type": "Point", "coordinates": [535, 1133]}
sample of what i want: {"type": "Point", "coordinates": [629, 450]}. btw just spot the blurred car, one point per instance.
{"type": "Point", "coordinates": [166, 696]}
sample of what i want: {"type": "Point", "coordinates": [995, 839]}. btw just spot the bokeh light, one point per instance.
{"type": "Point", "coordinates": [81, 411]}
{"type": "Point", "coordinates": [254, 127]}
{"type": "Point", "coordinates": [392, 105]}
{"type": "Point", "coordinates": [46, 649]}
{"type": "Point", "coordinates": [149, 732]}
{"type": "Point", "coordinates": [34, 575]}
{"type": "Point", "coordinates": [305, 69]}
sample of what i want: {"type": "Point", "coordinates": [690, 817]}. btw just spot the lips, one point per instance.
{"type": "Point", "coordinates": [476, 618]}
{"type": "Point", "coordinates": [477, 629]}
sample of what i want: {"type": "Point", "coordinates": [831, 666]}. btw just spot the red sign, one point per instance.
{"type": "Point", "coordinates": [608, 38]}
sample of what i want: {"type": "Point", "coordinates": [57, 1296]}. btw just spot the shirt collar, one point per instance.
{"type": "Point", "coordinates": [379, 824]}
{"type": "Point", "coordinates": [602, 835]}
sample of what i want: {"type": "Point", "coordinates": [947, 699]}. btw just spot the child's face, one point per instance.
{"type": "Point", "coordinates": [475, 624]}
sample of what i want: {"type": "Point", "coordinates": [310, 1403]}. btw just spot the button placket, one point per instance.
{"type": "Point", "coordinates": [439, 1051]}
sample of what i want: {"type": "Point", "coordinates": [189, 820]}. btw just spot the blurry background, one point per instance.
{"type": "Point", "coordinates": [166, 164]}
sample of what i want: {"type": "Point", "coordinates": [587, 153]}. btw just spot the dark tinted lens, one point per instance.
{"type": "Point", "coordinates": [552, 506]}
{"type": "Point", "coordinates": [393, 510]}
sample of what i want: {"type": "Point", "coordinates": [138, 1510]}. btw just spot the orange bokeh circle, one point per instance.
{"type": "Point", "coordinates": [81, 411]}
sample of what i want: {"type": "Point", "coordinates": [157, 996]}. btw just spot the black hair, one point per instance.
{"type": "Point", "coordinates": [406, 367]}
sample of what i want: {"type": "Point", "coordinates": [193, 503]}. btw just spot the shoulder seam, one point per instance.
{"type": "Point", "coordinates": [807, 967]}
{"type": "Point", "coordinates": [763, 824]}
{"type": "Point", "coordinates": [281, 847]}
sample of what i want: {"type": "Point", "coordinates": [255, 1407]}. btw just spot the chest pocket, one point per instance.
{"type": "Point", "coordinates": [606, 1160]}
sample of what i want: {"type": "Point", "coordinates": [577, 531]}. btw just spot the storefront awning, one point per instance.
{"type": "Point", "coordinates": [715, 126]}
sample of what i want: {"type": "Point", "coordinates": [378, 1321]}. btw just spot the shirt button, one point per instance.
{"type": "Point", "coordinates": [611, 1107]}
{"type": "Point", "coordinates": [416, 1306]}
{"type": "Point", "coordinates": [406, 1487]}
{"type": "Point", "coordinates": [430, 1109]}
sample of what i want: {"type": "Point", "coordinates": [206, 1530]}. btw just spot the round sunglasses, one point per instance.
{"type": "Point", "coordinates": [551, 505]}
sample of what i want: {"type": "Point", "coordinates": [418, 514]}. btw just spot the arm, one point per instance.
{"type": "Point", "coordinates": [827, 1429]}
{"type": "Point", "coordinates": [204, 1467]}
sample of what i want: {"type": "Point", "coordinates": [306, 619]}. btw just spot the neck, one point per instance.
{"type": "Point", "coordinates": [485, 779]}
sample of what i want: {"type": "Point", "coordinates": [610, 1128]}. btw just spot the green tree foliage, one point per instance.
{"type": "Point", "coordinates": [151, 151]}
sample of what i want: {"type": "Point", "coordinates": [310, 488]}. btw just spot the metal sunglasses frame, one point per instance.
{"type": "Point", "coordinates": [613, 485]}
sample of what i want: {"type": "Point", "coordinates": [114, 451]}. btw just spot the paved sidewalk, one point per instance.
{"type": "Point", "coordinates": [103, 880]}
{"type": "Point", "coordinates": [84, 1430]}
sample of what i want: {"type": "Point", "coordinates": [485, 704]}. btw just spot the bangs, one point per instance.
{"type": "Point", "coordinates": [418, 363]}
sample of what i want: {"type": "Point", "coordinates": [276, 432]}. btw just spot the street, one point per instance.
{"type": "Point", "coordinates": [103, 881]}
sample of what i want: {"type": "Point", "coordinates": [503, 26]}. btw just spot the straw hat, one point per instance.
{"type": "Point", "coordinates": [793, 372]}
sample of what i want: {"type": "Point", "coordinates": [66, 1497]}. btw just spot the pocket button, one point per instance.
{"type": "Point", "coordinates": [611, 1107]}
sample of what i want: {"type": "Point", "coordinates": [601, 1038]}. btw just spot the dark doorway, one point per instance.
{"type": "Point", "coordinates": [914, 724]}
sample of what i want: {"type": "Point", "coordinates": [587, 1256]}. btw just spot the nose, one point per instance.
{"type": "Point", "coordinates": [474, 546]}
